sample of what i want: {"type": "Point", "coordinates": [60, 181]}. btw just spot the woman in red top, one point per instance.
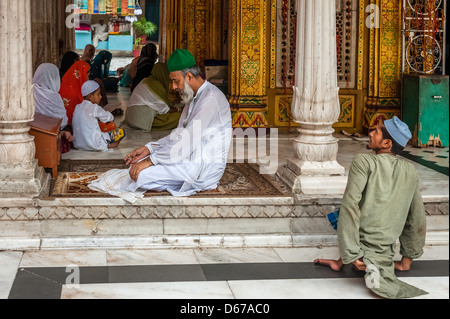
{"type": "Point", "coordinates": [71, 85]}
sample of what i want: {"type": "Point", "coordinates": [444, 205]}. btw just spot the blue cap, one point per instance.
{"type": "Point", "coordinates": [398, 130]}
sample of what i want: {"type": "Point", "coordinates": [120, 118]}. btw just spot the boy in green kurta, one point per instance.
{"type": "Point", "coordinates": [382, 203]}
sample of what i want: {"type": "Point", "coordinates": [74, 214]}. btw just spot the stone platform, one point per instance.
{"type": "Point", "coordinates": [171, 222]}
{"type": "Point", "coordinates": [180, 223]}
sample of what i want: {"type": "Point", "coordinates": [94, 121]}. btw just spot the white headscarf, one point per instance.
{"type": "Point", "coordinates": [47, 83]}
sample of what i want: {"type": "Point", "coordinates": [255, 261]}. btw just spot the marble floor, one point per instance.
{"type": "Point", "coordinates": [197, 274]}
{"type": "Point", "coordinates": [252, 275]}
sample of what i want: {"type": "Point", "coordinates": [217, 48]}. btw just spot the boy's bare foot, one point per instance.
{"type": "Point", "coordinates": [336, 265]}
{"type": "Point", "coordinates": [114, 145]}
{"type": "Point", "coordinates": [403, 265]}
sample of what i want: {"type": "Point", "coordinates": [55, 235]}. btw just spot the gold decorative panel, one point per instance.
{"type": "Point", "coordinates": [373, 116]}
{"type": "Point", "coordinates": [283, 115]}
{"type": "Point", "coordinates": [385, 64]}
{"type": "Point", "coordinates": [202, 29]}
{"type": "Point", "coordinates": [250, 118]}
{"type": "Point", "coordinates": [250, 52]}
{"type": "Point", "coordinates": [252, 60]}
{"type": "Point", "coordinates": [347, 116]}
{"type": "Point", "coordinates": [385, 51]}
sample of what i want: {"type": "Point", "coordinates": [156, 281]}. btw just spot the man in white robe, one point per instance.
{"type": "Point", "coordinates": [193, 157]}
{"type": "Point", "coordinates": [101, 32]}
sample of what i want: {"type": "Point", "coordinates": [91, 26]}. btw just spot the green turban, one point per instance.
{"type": "Point", "coordinates": [180, 60]}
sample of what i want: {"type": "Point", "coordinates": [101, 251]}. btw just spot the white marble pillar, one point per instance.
{"type": "Point", "coordinates": [20, 176]}
{"type": "Point", "coordinates": [314, 169]}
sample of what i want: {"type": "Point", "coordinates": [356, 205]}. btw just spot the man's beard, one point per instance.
{"type": "Point", "coordinates": [187, 95]}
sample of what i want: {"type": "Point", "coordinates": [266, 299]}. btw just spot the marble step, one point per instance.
{"type": "Point", "coordinates": [170, 222]}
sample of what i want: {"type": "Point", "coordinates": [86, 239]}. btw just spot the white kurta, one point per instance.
{"type": "Point", "coordinates": [86, 131]}
{"type": "Point", "coordinates": [191, 159]}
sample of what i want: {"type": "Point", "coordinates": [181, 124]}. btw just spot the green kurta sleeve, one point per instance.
{"type": "Point", "coordinates": [412, 239]}
{"type": "Point", "coordinates": [349, 216]}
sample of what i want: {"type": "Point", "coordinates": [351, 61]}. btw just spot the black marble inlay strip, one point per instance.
{"type": "Point", "coordinates": [46, 283]}
{"type": "Point", "coordinates": [429, 164]}
{"type": "Point", "coordinates": [156, 273]}
{"type": "Point", "coordinates": [256, 271]}
{"type": "Point", "coordinates": [426, 268]}
{"type": "Point", "coordinates": [30, 285]}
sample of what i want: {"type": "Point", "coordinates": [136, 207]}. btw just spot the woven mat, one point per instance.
{"type": "Point", "coordinates": [239, 180]}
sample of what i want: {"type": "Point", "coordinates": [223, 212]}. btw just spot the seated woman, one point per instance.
{"type": "Point", "coordinates": [71, 85]}
{"type": "Point", "coordinates": [47, 83]}
{"type": "Point", "coordinates": [100, 72]}
{"type": "Point", "coordinates": [67, 61]}
{"type": "Point", "coordinates": [145, 64]}
{"type": "Point", "coordinates": [88, 54]}
{"type": "Point", "coordinates": [125, 78]}
{"type": "Point", "coordinates": [149, 107]}
{"type": "Point", "coordinates": [100, 65]}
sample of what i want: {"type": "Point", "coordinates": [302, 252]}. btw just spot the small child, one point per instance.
{"type": "Point", "coordinates": [86, 130]}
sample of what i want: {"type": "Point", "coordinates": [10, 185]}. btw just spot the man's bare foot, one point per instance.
{"type": "Point", "coordinates": [403, 265]}
{"type": "Point", "coordinates": [336, 265]}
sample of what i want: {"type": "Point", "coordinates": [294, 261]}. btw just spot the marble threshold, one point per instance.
{"type": "Point", "coordinates": [439, 238]}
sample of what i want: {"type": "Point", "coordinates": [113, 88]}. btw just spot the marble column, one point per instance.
{"type": "Point", "coordinates": [20, 176]}
{"type": "Point", "coordinates": [314, 169]}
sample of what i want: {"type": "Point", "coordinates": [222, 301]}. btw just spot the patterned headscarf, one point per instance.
{"type": "Point", "coordinates": [158, 82]}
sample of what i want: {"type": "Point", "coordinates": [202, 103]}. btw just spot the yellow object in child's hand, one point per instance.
{"type": "Point", "coordinates": [117, 135]}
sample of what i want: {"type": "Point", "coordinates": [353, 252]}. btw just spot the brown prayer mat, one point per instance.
{"type": "Point", "coordinates": [239, 180]}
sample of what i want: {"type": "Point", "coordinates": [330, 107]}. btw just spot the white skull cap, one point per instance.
{"type": "Point", "coordinates": [89, 87]}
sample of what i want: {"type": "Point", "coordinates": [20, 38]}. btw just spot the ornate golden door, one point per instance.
{"type": "Point", "coordinates": [197, 26]}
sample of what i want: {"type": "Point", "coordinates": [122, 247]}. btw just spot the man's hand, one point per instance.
{"type": "Point", "coordinates": [136, 169]}
{"type": "Point", "coordinates": [358, 263]}
{"type": "Point", "coordinates": [137, 155]}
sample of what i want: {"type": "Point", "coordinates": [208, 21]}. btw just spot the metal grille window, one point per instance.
{"type": "Point", "coordinates": [424, 36]}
